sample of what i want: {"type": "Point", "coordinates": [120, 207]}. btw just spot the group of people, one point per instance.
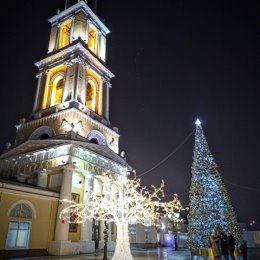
{"type": "Point", "coordinates": [224, 245]}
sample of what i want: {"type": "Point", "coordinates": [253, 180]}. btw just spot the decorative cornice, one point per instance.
{"type": "Point", "coordinates": [69, 151]}
{"type": "Point", "coordinates": [80, 6]}
{"type": "Point", "coordinates": [16, 188]}
{"type": "Point", "coordinates": [65, 113]}
{"type": "Point", "coordinates": [64, 54]}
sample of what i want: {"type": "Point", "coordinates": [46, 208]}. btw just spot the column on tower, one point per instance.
{"type": "Point", "coordinates": [87, 32]}
{"type": "Point", "coordinates": [98, 43]}
{"type": "Point", "coordinates": [106, 87]}
{"type": "Point", "coordinates": [80, 27]}
{"type": "Point", "coordinates": [39, 91]}
{"type": "Point", "coordinates": [53, 38]}
{"type": "Point", "coordinates": [99, 107]}
{"type": "Point", "coordinates": [72, 29]}
{"type": "Point", "coordinates": [84, 84]}
{"type": "Point", "coordinates": [46, 89]}
{"type": "Point", "coordinates": [74, 93]}
{"type": "Point", "coordinates": [62, 226]}
{"type": "Point", "coordinates": [61, 245]}
{"type": "Point", "coordinates": [65, 96]}
{"type": "Point", "coordinates": [57, 36]}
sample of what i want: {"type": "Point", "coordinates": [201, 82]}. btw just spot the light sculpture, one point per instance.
{"type": "Point", "coordinates": [123, 201]}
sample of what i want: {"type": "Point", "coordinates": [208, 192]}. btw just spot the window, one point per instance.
{"type": "Point", "coordinates": [91, 95]}
{"type": "Point", "coordinates": [98, 187]}
{"type": "Point", "coordinates": [21, 211]}
{"type": "Point", "coordinates": [56, 90]}
{"type": "Point", "coordinates": [92, 39]}
{"type": "Point", "coordinates": [18, 235]}
{"type": "Point", "coordinates": [77, 180]}
{"type": "Point", "coordinates": [65, 34]}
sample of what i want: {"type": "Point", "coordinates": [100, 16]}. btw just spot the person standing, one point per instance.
{"type": "Point", "coordinates": [224, 245]}
{"type": "Point", "coordinates": [243, 249]}
{"type": "Point", "coordinates": [175, 242]}
{"type": "Point", "coordinates": [231, 245]}
{"type": "Point", "coordinates": [215, 246]}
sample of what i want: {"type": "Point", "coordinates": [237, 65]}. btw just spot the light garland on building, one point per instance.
{"type": "Point", "coordinates": [210, 205]}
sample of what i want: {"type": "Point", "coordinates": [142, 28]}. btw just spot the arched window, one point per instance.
{"type": "Point", "coordinates": [91, 95]}
{"type": "Point", "coordinates": [41, 133]}
{"type": "Point", "coordinates": [92, 39]}
{"type": "Point", "coordinates": [65, 30]}
{"type": "Point", "coordinates": [21, 211]}
{"type": "Point", "coordinates": [44, 136]}
{"type": "Point", "coordinates": [56, 90]}
{"type": "Point", "coordinates": [94, 141]}
{"type": "Point", "coordinates": [18, 234]}
{"type": "Point", "coordinates": [96, 137]}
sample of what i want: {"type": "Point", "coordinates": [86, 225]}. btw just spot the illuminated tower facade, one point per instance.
{"type": "Point", "coordinates": [62, 150]}
{"type": "Point", "coordinates": [73, 82]}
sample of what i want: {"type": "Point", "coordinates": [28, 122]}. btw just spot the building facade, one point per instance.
{"type": "Point", "coordinates": [63, 148]}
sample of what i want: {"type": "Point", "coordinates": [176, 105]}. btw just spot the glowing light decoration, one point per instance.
{"type": "Point", "coordinates": [210, 205]}
{"type": "Point", "coordinates": [173, 209]}
{"type": "Point", "coordinates": [198, 122]}
{"type": "Point", "coordinates": [123, 201]}
{"type": "Point", "coordinates": [169, 240]}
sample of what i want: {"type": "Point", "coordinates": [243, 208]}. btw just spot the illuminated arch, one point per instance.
{"type": "Point", "coordinates": [92, 90]}
{"type": "Point", "coordinates": [56, 89]}
{"type": "Point", "coordinates": [43, 132]}
{"type": "Point", "coordinates": [22, 209]}
{"type": "Point", "coordinates": [97, 138]}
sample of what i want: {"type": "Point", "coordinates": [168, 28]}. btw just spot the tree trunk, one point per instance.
{"type": "Point", "coordinates": [122, 251]}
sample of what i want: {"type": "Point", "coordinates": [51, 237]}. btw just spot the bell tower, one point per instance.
{"type": "Point", "coordinates": [67, 144]}
{"type": "Point", "coordinates": [73, 80]}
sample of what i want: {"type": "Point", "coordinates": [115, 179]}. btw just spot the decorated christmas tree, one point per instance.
{"type": "Point", "coordinates": [210, 206]}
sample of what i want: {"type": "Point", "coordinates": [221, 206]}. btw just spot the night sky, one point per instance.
{"type": "Point", "coordinates": [173, 62]}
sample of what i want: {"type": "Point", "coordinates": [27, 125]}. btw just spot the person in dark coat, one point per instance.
{"type": "Point", "coordinates": [243, 249]}
{"type": "Point", "coordinates": [224, 245]}
{"type": "Point", "coordinates": [231, 246]}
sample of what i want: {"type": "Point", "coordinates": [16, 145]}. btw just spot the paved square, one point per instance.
{"type": "Point", "coordinates": [151, 254]}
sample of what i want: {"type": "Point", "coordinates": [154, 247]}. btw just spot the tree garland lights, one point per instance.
{"type": "Point", "coordinates": [210, 205]}
{"type": "Point", "coordinates": [124, 201]}
{"type": "Point", "coordinates": [174, 208]}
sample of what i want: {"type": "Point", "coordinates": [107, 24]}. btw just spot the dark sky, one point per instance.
{"type": "Point", "coordinates": [173, 61]}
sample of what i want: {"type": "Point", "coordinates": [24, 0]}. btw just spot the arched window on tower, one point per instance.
{"type": "Point", "coordinates": [65, 31]}
{"type": "Point", "coordinates": [91, 95]}
{"type": "Point", "coordinates": [93, 39]}
{"type": "Point", "coordinates": [56, 90]}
